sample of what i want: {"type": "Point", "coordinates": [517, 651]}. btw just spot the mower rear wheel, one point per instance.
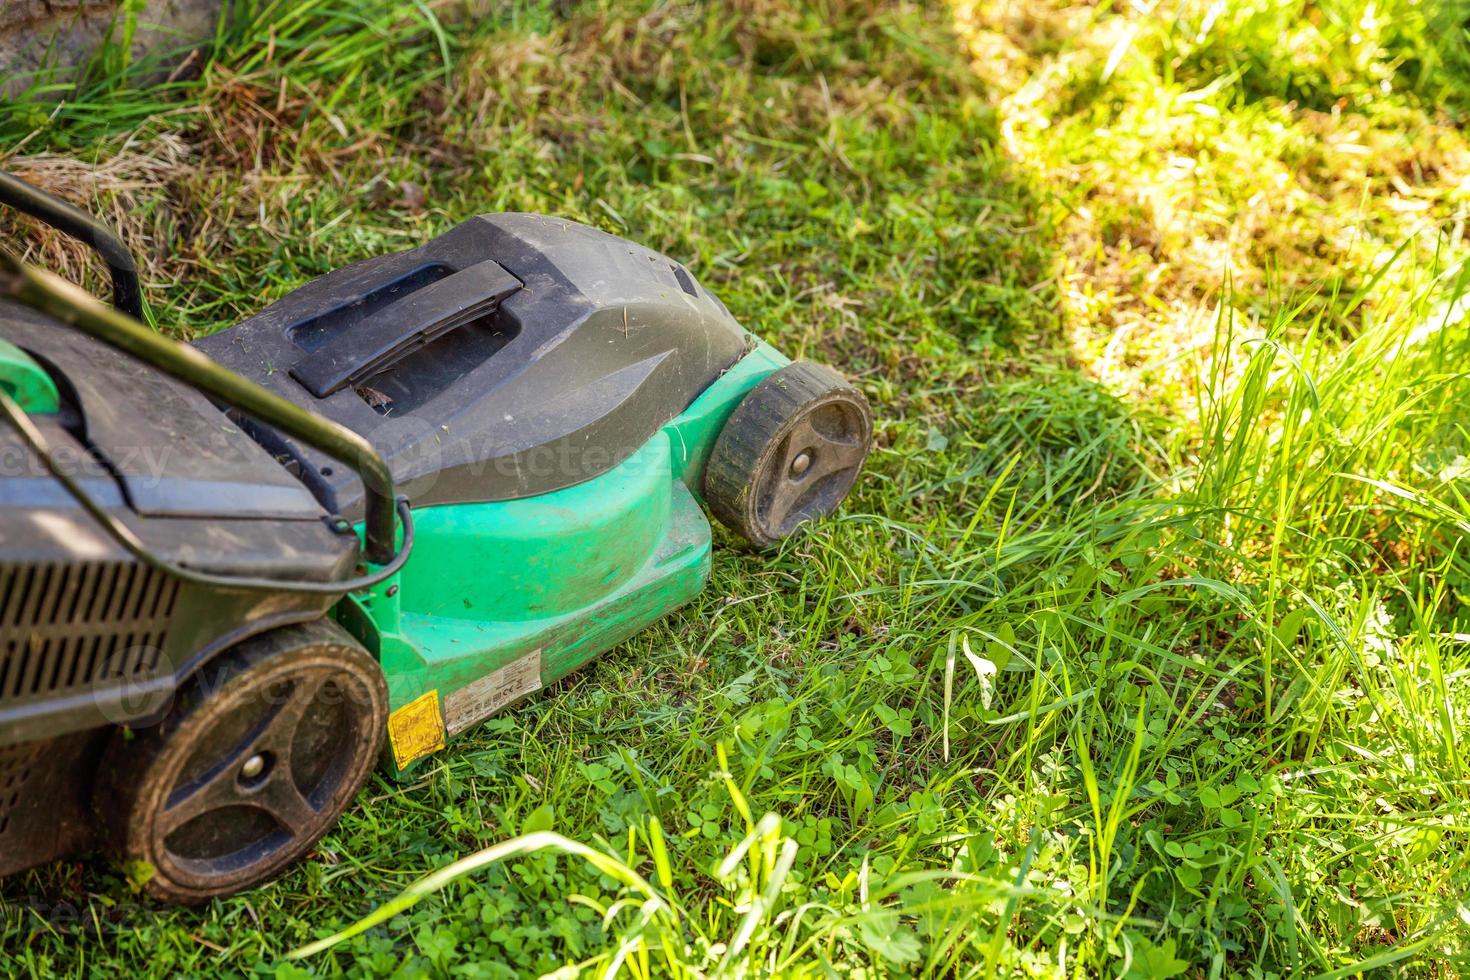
{"type": "Point", "coordinates": [789, 453]}
{"type": "Point", "coordinates": [257, 758]}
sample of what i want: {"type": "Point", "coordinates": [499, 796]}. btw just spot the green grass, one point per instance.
{"type": "Point", "coordinates": [1142, 648]}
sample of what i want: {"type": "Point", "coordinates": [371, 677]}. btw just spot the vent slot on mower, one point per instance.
{"type": "Point", "coordinates": [16, 763]}
{"type": "Point", "coordinates": [65, 626]}
{"type": "Point", "coordinates": [412, 382]}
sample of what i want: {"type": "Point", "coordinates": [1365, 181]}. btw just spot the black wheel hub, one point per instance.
{"type": "Point", "coordinates": [255, 761]}
{"type": "Point", "coordinates": [789, 453]}
{"type": "Point", "coordinates": [815, 466]}
{"type": "Point", "coordinates": [260, 779]}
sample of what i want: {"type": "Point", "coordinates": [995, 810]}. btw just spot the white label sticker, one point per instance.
{"type": "Point", "coordinates": [480, 699]}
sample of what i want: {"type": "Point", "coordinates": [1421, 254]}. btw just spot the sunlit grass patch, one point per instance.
{"type": "Point", "coordinates": [1272, 153]}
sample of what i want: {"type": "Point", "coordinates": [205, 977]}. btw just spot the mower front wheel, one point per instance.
{"type": "Point", "coordinates": [789, 453]}
{"type": "Point", "coordinates": [257, 758]}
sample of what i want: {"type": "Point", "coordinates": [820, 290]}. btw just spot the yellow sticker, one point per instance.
{"type": "Point", "coordinates": [416, 729]}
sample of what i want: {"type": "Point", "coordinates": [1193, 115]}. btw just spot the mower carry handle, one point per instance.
{"type": "Point", "coordinates": [127, 295]}
{"type": "Point", "coordinates": [70, 304]}
{"type": "Point", "coordinates": [402, 327]}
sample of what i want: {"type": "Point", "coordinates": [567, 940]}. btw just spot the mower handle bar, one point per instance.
{"type": "Point", "coordinates": [70, 304]}
{"type": "Point", "coordinates": [127, 295]}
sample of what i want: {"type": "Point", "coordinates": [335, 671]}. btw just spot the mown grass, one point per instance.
{"type": "Point", "coordinates": [1142, 648]}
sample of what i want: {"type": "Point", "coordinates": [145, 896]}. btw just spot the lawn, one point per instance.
{"type": "Point", "coordinates": [1143, 646]}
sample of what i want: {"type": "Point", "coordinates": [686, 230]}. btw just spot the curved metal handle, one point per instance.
{"type": "Point", "coordinates": [63, 301]}
{"type": "Point", "coordinates": [127, 295]}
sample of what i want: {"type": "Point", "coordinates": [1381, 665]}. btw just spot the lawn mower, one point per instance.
{"type": "Point", "coordinates": [236, 576]}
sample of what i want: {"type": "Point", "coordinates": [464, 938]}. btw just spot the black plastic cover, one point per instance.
{"type": "Point", "coordinates": [173, 452]}
{"type": "Point", "coordinates": [548, 385]}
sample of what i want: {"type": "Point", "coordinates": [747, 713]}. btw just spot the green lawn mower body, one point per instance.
{"type": "Point", "coordinates": [550, 442]}
{"type": "Point", "coordinates": [210, 621]}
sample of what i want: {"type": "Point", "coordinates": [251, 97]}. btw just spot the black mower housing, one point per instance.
{"type": "Point", "coordinates": [514, 355]}
{"type": "Point", "coordinates": [89, 636]}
